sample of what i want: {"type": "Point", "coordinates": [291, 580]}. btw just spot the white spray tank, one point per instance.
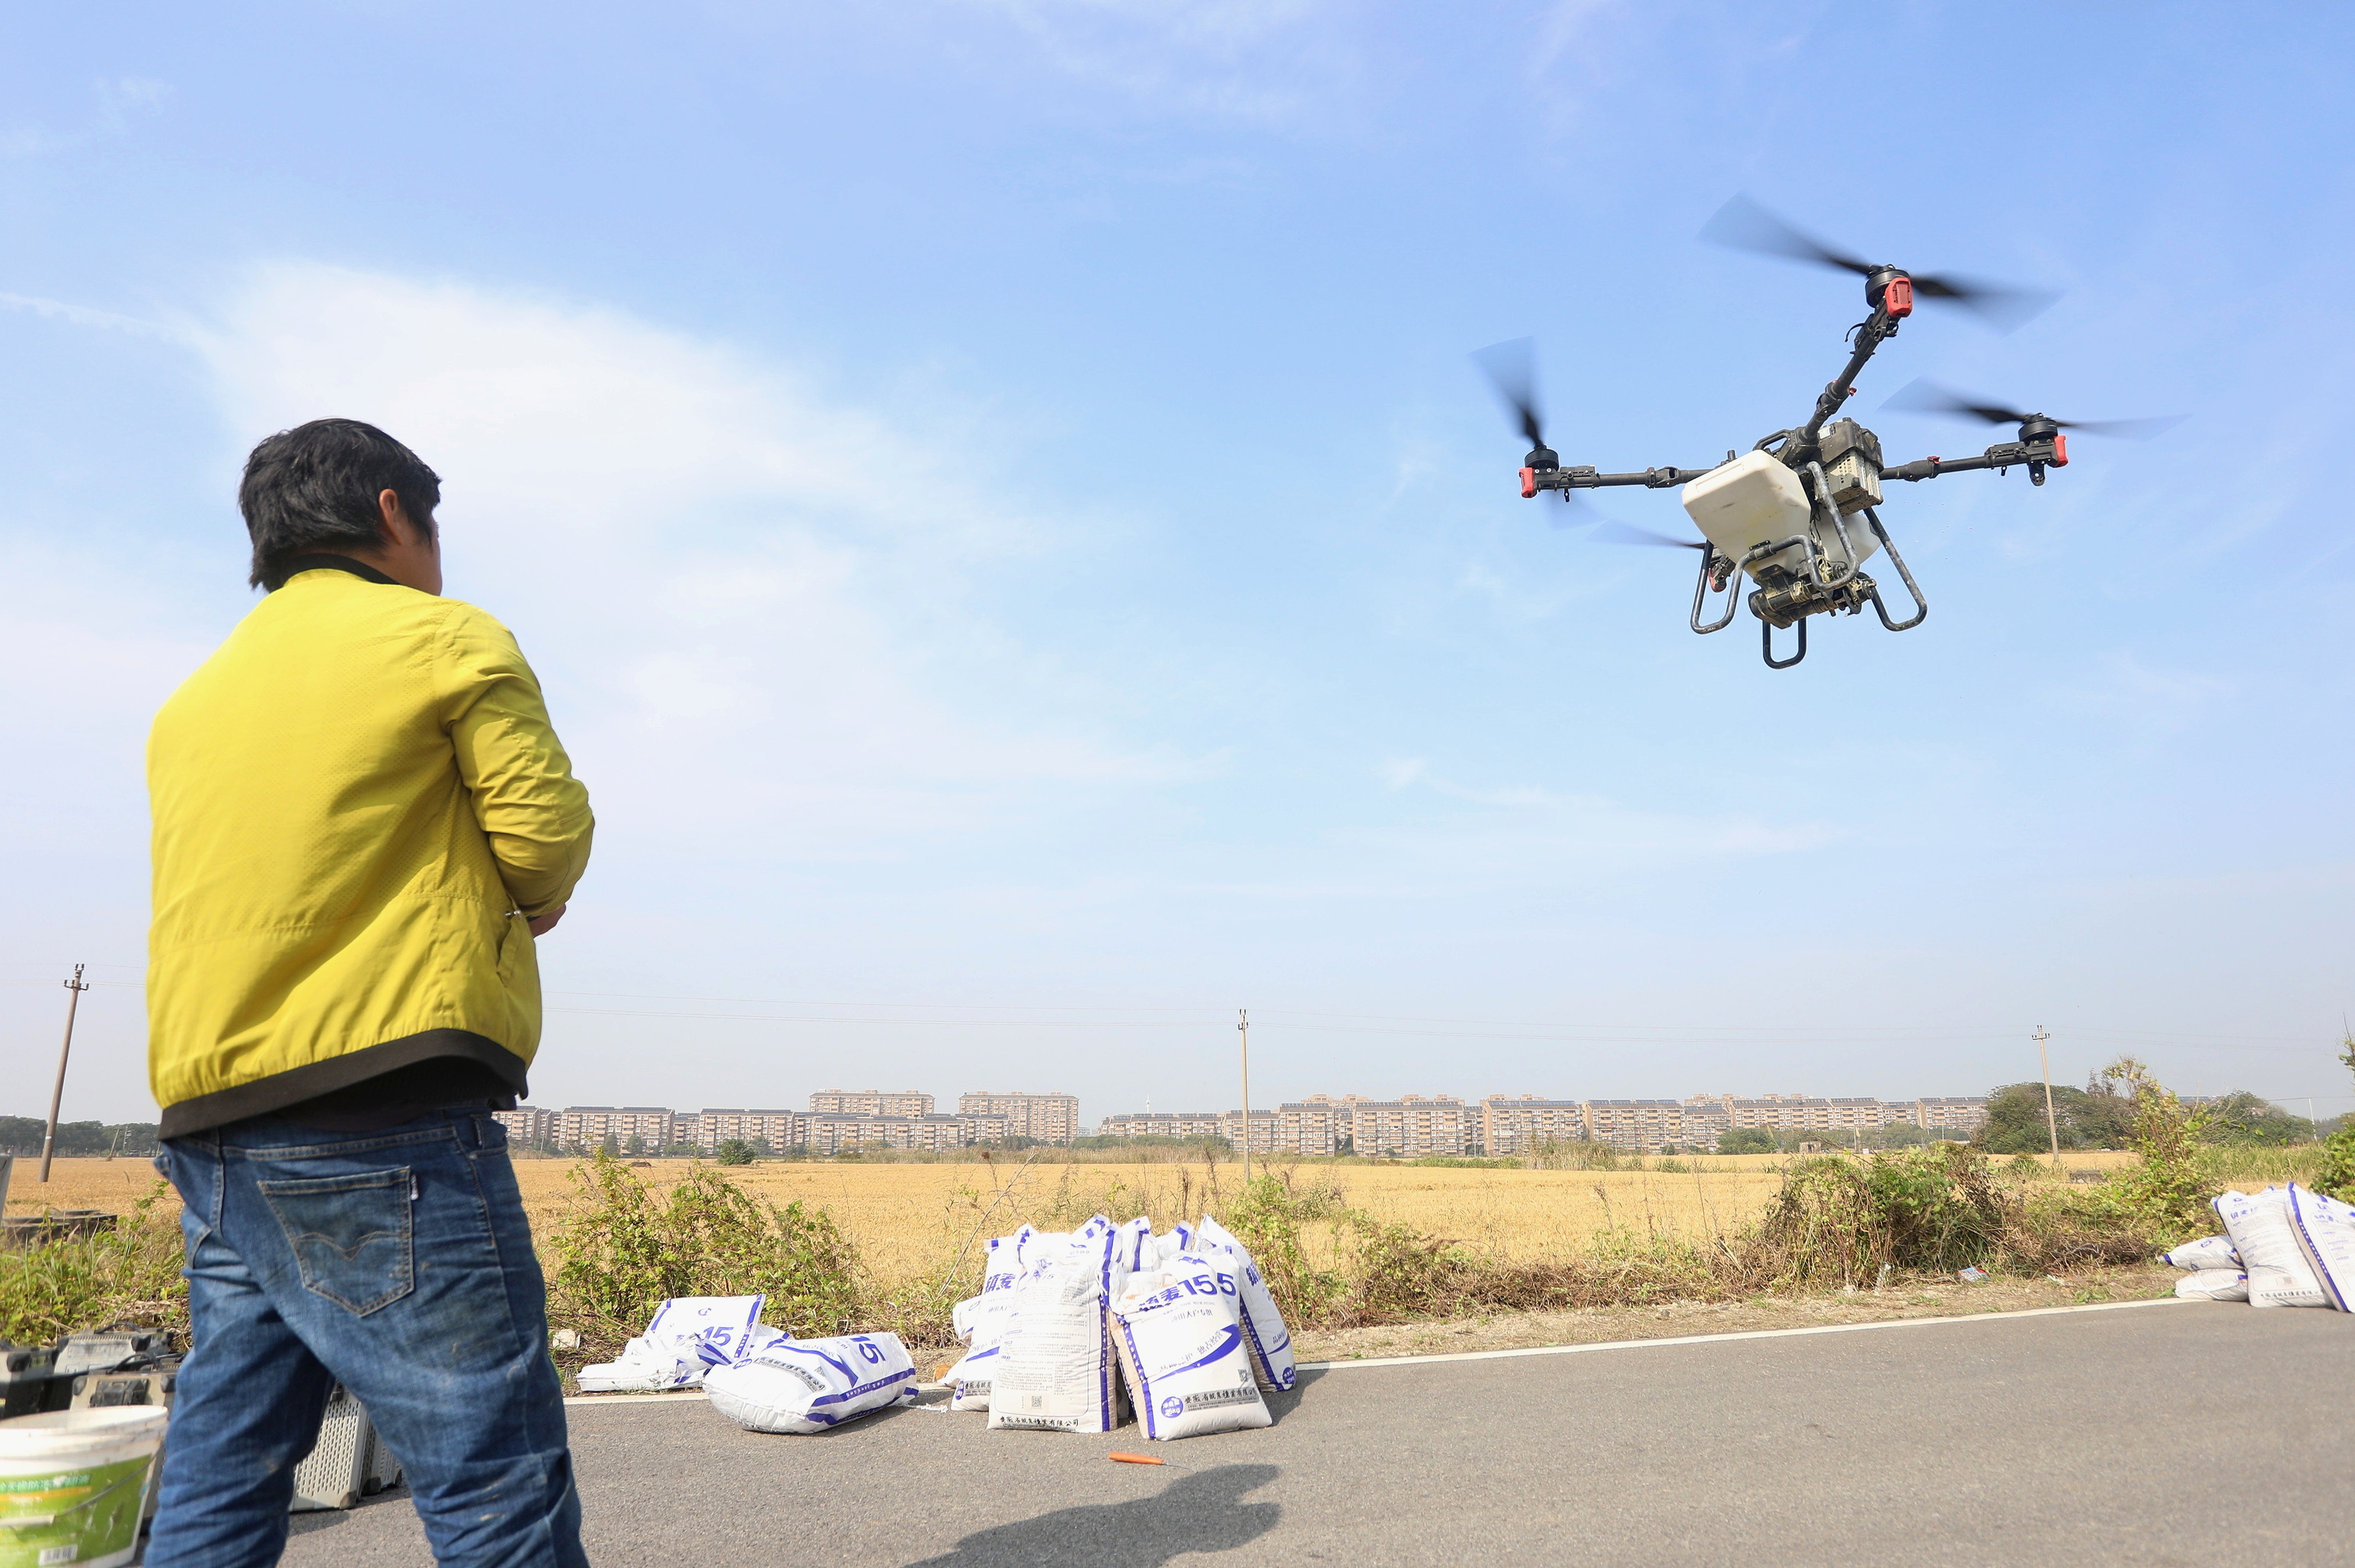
{"type": "Point", "coordinates": [1755, 500]}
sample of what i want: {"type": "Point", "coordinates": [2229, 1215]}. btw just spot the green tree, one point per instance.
{"type": "Point", "coordinates": [2336, 1176]}
{"type": "Point", "coordinates": [2098, 1117]}
{"type": "Point", "coordinates": [2243, 1118]}
{"type": "Point", "coordinates": [1746, 1140]}
{"type": "Point", "coordinates": [734, 1151]}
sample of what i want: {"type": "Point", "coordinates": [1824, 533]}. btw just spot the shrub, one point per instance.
{"type": "Point", "coordinates": [1836, 1220]}
{"type": "Point", "coordinates": [131, 1274]}
{"type": "Point", "coordinates": [733, 1151]}
{"type": "Point", "coordinates": [624, 1249]}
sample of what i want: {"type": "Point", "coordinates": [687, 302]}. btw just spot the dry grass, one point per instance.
{"type": "Point", "coordinates": [911, 1223]}
{"type": "Point", "coordinates": [905, 1218]}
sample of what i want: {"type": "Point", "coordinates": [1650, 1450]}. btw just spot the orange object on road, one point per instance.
{"type": "Point", "coordinates": [1134, 1459]}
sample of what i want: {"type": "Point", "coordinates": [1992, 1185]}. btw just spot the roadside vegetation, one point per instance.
{"type": "Point", "coordinates": [1833, 1221]}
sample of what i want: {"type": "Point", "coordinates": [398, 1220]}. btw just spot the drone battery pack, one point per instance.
{"type": "Point", "coordinates": [1746, 502]}
{"type": "Point", "coordinates": [1851, 456]}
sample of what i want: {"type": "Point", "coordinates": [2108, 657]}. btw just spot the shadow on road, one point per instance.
{"type": "Point", "coordinates": [1202, 1512]}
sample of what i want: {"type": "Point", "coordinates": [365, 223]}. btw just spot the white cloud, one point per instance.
{"type": "Point", "coordinates": [2121, 687]}
{"type": "Point", "coordinates": [1546, 824]}
{"type": "Point", "coordinates": [1263, 60]}
{"type": "Point", "coordinates": [754, 607]}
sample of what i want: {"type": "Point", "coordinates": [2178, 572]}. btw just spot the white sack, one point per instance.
{"type": "Point", "coordinates": [1133, 1246]}
{"type": "Point", "coordinates": [2325, 1229]}
{"type": "Point", "coordinates": [809, 1385]}
{"type": "Point", "coordinates": [1055, 1366]}
{"type": "Point", "coordinates": [1179, 1240]}
{"type": "Point", "coordinates": [980, 1322]}
{"type": "Point", "coordinates": [2278, 1273]}
{"type": "Point", "coordinates": [1179, 1334]}
{"type": "Point", "coordinates": [1263, 1330]}
{"type": "Point", "coordinates": [2207, 1253]}
{"type": "Point", "coordinates": [2213, 1285]}
{"type": "Point", "coordinates": [689, 1334]}
{"type": "Point", "coordinates": [643, 1367]}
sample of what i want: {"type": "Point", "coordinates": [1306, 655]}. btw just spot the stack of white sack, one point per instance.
{"type": "Point", "coordinates": [809, 1385]}
{"type": "Point", "coordinates": [2211, 1269]}
{"type": "Point", "coordinates": [689, 1334]}
{"type": "Point", "coordinates": [2295, 1246]}
{"type": "Point", "coordinates": [1040, 1339]}
{"type": "Point", "coordinates": [1055, 1368]}
{"type": "Point", "coordinates": [1178, 1330]}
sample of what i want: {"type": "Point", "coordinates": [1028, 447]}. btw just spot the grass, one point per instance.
{"type": "Point", "coordinates": [1349, 1243]}
{"type": "Point", "coordinates": [131, 1274]}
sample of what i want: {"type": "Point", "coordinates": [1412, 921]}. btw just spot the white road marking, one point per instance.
{"type": "Point", "coordinates": [1714, 1339]}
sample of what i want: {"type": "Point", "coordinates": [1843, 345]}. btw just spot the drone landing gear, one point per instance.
{"type": "Point", "coordinates": [1920, 605]}
{"type": "Point", "coordinates": [1717, 575]}
{"type": "Point", "coordinates": [1767, 645]}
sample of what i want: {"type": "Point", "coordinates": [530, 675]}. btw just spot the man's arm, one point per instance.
{"type": "Point", "coordinates": [534, 813]}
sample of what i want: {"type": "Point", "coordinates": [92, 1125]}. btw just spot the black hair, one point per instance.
{"type": "Point", "coordinates": [314, 488]}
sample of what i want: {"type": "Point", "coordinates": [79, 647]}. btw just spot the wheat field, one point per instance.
{"type": "Point", "coordinates": [908, 1220]}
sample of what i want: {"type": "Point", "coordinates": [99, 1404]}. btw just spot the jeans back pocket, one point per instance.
{"type": "Point", "coordinates": [351, 1235]}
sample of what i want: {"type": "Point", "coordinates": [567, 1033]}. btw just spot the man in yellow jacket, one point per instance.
{"type": "Point", "coordinates": [363, 823]}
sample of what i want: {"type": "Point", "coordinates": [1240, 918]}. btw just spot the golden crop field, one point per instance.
{"type": "Point", "coordinates": [907, 1219]}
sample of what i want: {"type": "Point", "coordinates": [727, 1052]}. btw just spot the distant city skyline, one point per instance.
{"type": "Point", "coordinates": [1318, 1125]}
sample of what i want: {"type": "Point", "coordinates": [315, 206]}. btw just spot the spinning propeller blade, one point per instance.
{"type": "Point", "coordinates": [1609, 532]}
{"type": "Point", "coordinates": [1927, 396]}
{"type": "Point", "coordinates": [1512, 368]}
{"type": "Point", "coordinates": [1742, 225]}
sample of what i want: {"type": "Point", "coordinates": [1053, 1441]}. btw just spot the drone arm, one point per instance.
{"type": "Point", "coordinates": [2051, 452]}
{"type": "Point", "coordinates": [1586, 478]}
{"type": "Point", "coordinates": [1877, 329]}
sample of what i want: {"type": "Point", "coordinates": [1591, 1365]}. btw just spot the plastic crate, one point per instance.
{"type": "Point", "coordinates": [336, 1472]}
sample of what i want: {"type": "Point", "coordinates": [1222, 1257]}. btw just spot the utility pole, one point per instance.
{"type": "Point", "coordinates": [57, 1094]}
{"type": "Point", "coordinates": [2051, 1124]}
{"type": "Point", "coordinates": [1243, 1027]}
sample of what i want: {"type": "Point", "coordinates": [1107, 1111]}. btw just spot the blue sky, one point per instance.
{"type": "Point", "coordinates": [999, 501]}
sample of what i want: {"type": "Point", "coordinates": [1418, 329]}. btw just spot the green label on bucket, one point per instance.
{"type": "Point", "coordinates": [71, 1516]}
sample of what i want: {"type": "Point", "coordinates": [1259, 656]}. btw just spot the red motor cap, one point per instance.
{"type": "Point", "coordinates": [2060, 450]}
{"type": "Point", "coordinates": [1897, 299]}
{"type": "Point", "coordinates": [1529, 482]}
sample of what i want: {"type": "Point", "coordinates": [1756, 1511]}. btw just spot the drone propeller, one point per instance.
{"type": "Point", "coordinates": [1744, 225]}
{"type": "Point", "coordinates": [1609, 532]}
{"type": "Point", "coordinates": [1511, 367]}
{"type": "Point", "coordinates": [1927, 396]}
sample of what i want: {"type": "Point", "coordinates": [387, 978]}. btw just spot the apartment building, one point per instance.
{"type": "Point", "coordinates": [776, 1130]}
{"type": "Point", "coordinates": [839, 1132]}
{"type": "Point", "coordinates": [982, 1129]}
{"type": "Point", "coordinates": [1706, 1117]}
{"type": "Point", "coordinates": [1646, 1126]}
{"type": "Point", "coordinates": [588, 1127]}
{"type": "Point", "coordinates": [872, 1102]}
{"type": "Point", "coordinates": [1511, 1124]}
{"type": "Point", "coordinates": [527, 1127]}
{"type": "Point", "coordinates": [1190, 1125]}
{"type": "Point", "coordinates": [1313, 1128]}
{"type": "Point", "coordinates": [1955, 1116]}
{"type": "Point", "coordinates": [1411, 1125]}
{"type": "Point", "coordinates": [1047, 1118]}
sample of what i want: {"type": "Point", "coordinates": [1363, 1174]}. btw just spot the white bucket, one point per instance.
{"type": "Point", "coordinates": [73, 1484]}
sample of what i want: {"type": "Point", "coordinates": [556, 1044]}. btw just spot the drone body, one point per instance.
{"type": "Point", "coordinates": [1797, 514]}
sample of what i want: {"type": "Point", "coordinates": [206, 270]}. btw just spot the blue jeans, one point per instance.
{"type": "Point", "coordinates": [399, 1264]}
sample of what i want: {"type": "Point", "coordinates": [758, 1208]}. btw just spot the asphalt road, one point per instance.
{"type": "Point", "coordinates": [2192, 1434]}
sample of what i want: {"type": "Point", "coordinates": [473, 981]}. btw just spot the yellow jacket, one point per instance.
{"type": "Point", "coordinates": [359, 800]}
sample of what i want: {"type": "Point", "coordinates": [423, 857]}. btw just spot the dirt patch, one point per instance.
{"type": "Point", "coordinates": [1940, 1298]}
